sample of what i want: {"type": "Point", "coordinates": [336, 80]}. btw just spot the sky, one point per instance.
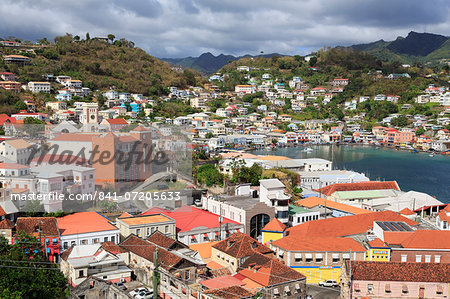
{"type": "Point", "coordinates": [180, 28]}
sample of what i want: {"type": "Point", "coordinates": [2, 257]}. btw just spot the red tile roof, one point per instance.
{"type": "Point", "coordinates": [233, 292]}
{"type": "Point", "coordinates": [397, 271]}
{"type": "Point", "coordinates": [113, 248]}
{"type": "Point", "coordinates": [31, 225]}
{"type": "Point", "coordinates": [395, 238]}
{"type": "Point", "coordinates": [293, 243]}
{"type": "Point", "coordinates": [345, 226]}
{"type": "Point", "coordinates": [145, 250]}
{"type": "Point", "coordinates": [274, 225]}
{"type": "Point", "coordinates": [268, 271]}
{"type": "Point", "coordinates": [377, 243]}
{"type": "Point", "coordinates": [221, 282]}
{"type": "Point", "coordinates": [2, 212]}
{"type": "Point", "coordinates": [427, 239]}
{"type": "Point", "coordinates": [6, 223]}
{"type": "Point", "coordinates": [240, 245]}
{"type": "Point", "coordinates": [188, 218]}
{"type": "Point", "coordinates": [116, 121]}
{"type": "Point", "coordinates": [84, 222]}
{"type": "Point", "coordinates": [407, 212]}
{"type": "Point", "coordinates": [372, 185]}
{"type": "Point", "coordinates": [161, 240]}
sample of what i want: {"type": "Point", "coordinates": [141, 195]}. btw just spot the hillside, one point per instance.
{"type": "Point", "coordinates": [207, 63]}
{"type": "Point", "coordinates": [422, 47]}
{"type": "Point", "coordinates": [101, 65]}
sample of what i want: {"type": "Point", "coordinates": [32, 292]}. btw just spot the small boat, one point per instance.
{"type": "Point", "coordinates": [308, 149]}
{"type": "Point", "coordinates": [431, 155]}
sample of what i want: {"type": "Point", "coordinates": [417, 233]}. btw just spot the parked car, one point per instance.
{"type": "Point", "coordinates": [120, 285]}
{"type": "Point", "coordinates": [144, 295]}
{"type": "Point", "coordinates": [329, 283]}
{"type": "Point", "coordinates": [198, 202]}
{"type": "Point", "coordinates": [138, 291]}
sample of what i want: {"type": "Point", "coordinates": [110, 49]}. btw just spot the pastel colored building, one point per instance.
{"type": "Point", "coordinates": [145, 225]}
{"type": "Point", "coordinates": [378, 251]}
{"type": "Point", "coordinates": [395, 137]}
{"type": "Point", "coordinates": [272, 231]}
{"type": "Point", "coordinates": [362, 279]}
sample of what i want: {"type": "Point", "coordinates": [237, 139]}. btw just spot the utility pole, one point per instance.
{"type": "Point", "coordinates": [155, 277]}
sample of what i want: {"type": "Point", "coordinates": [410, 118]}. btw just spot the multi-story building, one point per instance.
{"type": "Point", "coordinates": [36, 87]}
{"type": "Point", "coordinates": [85, 228]}
{"type": "Point", "coordinates": [272, 194]}
{"type": "Point", "coordinates": [318, 258]}
{"type": "Point", "coordinates": [82, 261]}
{"type": "Point", "coordinates": [11, 86]}
{"type": "Point", "coordinates": [16, 151]}
{"type": "Point", "coordinates": [145, 225]}
{"type": "Point", "coordinates": [44, 229]}
{"type": "Point", "coordinates": [443, 218]}
{"type": "Point", "coordinates": [395, 280]}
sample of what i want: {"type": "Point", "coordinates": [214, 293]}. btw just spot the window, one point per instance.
{"type": "Point", "coordinates": [166, 229]}
{"type": "Point", "coordinates": [148, 231]}
{"type": "Point", "coordinates": [319, 258]}
{"type": "Point", "coordinates": [84, 242]}
{"type": "Point", "coordinates": [80, 273]}
{"type": "Point", "coordinates": [66, 245]}
{"type": "Point", "coordinates": [437, 258]}
{"type": "Point", "coordinates": [105, 239]}
{"type": "Point", "coordinates": [387, 288]}
{"type": "Point", "coordinates": [95, 241]}
{"type": "Point", "coordinates": [427, 258]}
{"type": "Point", "coordinates": [113, 239]}
{"type": "Point", "coordinates": [308, 258]}
{"type": "Point", "coordinates": [439, 290]}
{"type": "Point", "coordinates": [404, 258]}
{"type": "Point", "coordinates": [418, 258]}
{"type": "Point", "coordinates": [298, 257]}
{"type": "Point", "coordinates": [404, 289]}
{"type": "Point", "coordinates": [138, 232]}
{"type": "Point", "coordinates": [336, 258]}
{"type": "Point", "coordinates": [370, 288]}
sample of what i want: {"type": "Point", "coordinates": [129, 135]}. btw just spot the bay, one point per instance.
{"type": "Point", "coordinates": [412, 171]}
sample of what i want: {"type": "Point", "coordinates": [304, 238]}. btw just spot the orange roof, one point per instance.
{"type": "Point", "coordinates": [116, 121]}
{"type": "Point", "coordinates": [345, 226]}
{"type": "Point", "coordinates": [293, 243]}
{"type": "Point", "coordinates": [84, 222]}
{"type": "Point", "coordinates": [313, 201]}
{"type": "Point", "coordinates": [155, 218]}
{"type": "Point", "coordinates": [395, 238]}
{"type": "Point", "coordinates": [274, 225]}
{"type": "Point", "coordinates": [125, 214]}
{"type": "Point", "coordinates": [221, 282]}
{"type": "Point", "coordinates": [204, 249]}
{"type": "Point", "coordinates": [251, 285]}
{"type": "Point", "coordinates": [407, 212]}
{"type": "Point", "coordinates": [213, 265]}
{"type": "Point", "coordinates": [372, 185]}
{"type": "Point", "coordinates": [377, 243]}
{"type": "Point", "coordinates": [434, 239]}
{"type": "Point", "coordinates": [12, 166]}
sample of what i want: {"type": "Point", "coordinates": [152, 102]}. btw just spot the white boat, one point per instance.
{"type": "Point", "coordinates": [308, 149]}
{"type": "Point", "coordinates": [431, 155]}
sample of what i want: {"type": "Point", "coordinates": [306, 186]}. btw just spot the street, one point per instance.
{"type": "Point", "coordinates": [322, 292]}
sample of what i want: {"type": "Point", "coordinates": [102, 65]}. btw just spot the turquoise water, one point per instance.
{"type": "Point", "coordinates": [412, 171]}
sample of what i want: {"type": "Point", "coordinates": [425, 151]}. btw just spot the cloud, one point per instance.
{"type": "Point", "coordinates": [178, 28]}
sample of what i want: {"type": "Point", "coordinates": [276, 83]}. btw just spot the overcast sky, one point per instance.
{"type": "Point", "coordinates": [179, 28]}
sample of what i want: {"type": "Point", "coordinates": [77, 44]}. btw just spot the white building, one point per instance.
{"type": "Point", "coordinates": [445, 99]}
{"type": "Point", "coordinates": [111, 95]}
{"type": "Point", "coordinates": [272, 194]}
{"type": "Point", "coordinates": [83, 261]}
{"type": "Point", "coordinates": [36, 87]}
{"type": "Point", "coordinates": [86, 228]}
{"type": "Point", "coordinates": [443, 218]}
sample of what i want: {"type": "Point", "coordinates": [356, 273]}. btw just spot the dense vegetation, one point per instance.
{"type": "Point", "coordinates": [26, 271]}
{"type": "Point", "coordinates": [102, 65]}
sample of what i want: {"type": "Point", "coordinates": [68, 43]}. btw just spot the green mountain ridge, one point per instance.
{"type": "Point", "coordinates": [415, 47]}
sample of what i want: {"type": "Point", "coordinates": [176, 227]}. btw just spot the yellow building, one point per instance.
{"type": "Point", "coordinates": [378, 251]}
{"type": "Point", "coordinates": [274, 230]}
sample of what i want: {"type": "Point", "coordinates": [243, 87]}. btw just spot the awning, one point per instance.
{"type": "Point", "coordinates": [275, 291]}
{"type": "Point", "coordinates": [217, 233]}
{"type": "Point", "coordinates": [335, 255]}
{"type": "Point", "coordinates": [439, 289]}
{"type": "Point", "coordinates": [387, 288]}
{"type": "Point", "coordinates": [286, 289]}
{"type": "Point", "coordinates": [206, 235]}
{"type": "Point", "coordinates": [356, 286]}
{"type": "Point", "coordinates": [308, 255]}
{"type": "Point", "coordinates": [319, 256]}
{"type": "Point", "coordinates": [193, 237]}
{"type": "Point", "coordinates": [346, 256]}
{"type": "Point", "coordinates": [298, 255]}
{"type": "Point", "coordinates": [218, 254]}
{"type": "Point", "coordinates": [405, 288]}
{"type": "Point", "coordinates": [297, 286]}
